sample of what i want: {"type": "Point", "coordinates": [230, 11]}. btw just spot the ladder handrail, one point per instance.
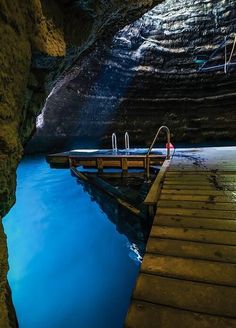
{"type": "Point", "coordinates": [126, 140]}
{"type": "Point", "coordinates": [155, 138]}
{"type": "Point", "coordinates": [114, 142]}
{"type": "Point", "coordinates": [163, 127]}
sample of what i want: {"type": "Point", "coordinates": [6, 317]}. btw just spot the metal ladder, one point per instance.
{"type": "Point", "coordinates": [127, 141]}
{"type": "Point", "coordinates": [163, 127]}
{"type": "Point", "coordinates": [114, 142]}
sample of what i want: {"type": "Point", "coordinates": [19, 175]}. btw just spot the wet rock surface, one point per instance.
{"type": "Point", "coordinates": [146, 76]}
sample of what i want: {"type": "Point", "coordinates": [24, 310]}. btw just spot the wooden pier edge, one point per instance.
{"type": "Point", "coordinates": [155, 190]}
{"type": "Point", "coordinates": [188, 274]}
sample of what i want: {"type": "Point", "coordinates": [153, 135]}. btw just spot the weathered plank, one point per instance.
{"type": "Point", "coordinates": [197, 213]}
{"type": "Point", "coordinates": [155, 189]}
{"type": "Point", "coordinates": [193, 187]}
{"type": "Point", "coordinates": [201, 235]}
{"type": "Point", "coordinates": [197, 182]}
{"type": "Point", "coordinates": [182, 191]}
{"type": "Point", "coordinates": [190, 249]}
{"type": "Point", "coordinates": [199, 175]}
{"type": "Point", "coordinates": [189, 269]}
{"type": "Point", "coordinates": [203, 180]}
{"type": "Point", "coordinates": [198, 198]}
{"type": "Point", "coordinates": [190, 222]}
{"type": "Point", "coordinates": [149, 315]}
{"type": "Point", "coordinates": [198, 205]}
{"type": "Point", "coordinates": [187, 295]}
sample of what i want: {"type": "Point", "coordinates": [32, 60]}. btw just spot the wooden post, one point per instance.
{"type": "Point", "coordinates": [99, 164]}
{"type": "Point", "coordinates": [124, 164]}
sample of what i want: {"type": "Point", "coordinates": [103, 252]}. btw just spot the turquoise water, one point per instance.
{"type": "Point", "coordinates": [69, 265]}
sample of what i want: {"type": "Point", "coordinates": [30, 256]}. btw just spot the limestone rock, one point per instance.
{"type": "Point", "coordinates": [146, 76]}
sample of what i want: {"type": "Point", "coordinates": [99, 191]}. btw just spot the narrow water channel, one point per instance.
{"type": "Point", "coordinates": [69, 265]}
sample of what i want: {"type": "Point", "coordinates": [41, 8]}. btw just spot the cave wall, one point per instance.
{"type": "Point", "coordinates": [18, 35]}
{"type": "Point", "coordinates": [132, 83]}
{"type": "Point", "coordinates": [41, 39]}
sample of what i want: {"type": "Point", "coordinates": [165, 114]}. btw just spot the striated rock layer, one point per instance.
{"type": "Point", "coordinates": [146, 76]}
{"type": "Point", "coordinates": [40, 39]}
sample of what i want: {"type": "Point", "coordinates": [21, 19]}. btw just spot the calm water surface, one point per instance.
{"type": "Point", "coordinates": [69, 266]}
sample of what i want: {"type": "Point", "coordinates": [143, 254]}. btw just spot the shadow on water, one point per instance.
{"type": "Point", "coordinates": [135, 228]}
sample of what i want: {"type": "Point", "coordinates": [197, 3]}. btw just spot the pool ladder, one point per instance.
{"type": "Point", "coordinates": [167, 130]}
{"type": "Point", "coordinates": [127, 146]}
{"type": "Point", "coordinates": [114, 142]}
{"type": "Point", "coordinates": [126, 141]}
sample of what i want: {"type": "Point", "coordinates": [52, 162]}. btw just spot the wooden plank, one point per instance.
{"type": "Point", "coordinates": [189, 269]}
{"type": "Point", "coordinates": [191, 222]}
{"type": "Point", "coordinates": [155, 189]}
{"type": "Point", "coordinates": [208, 167]}
{"type": "Point", "coordinates": [201, 178]}
{"type": "Point", "coordinates": [207, 171]}
{"type": "Point", "coordinates": [201, 182]}
{"type": "Point", "coordinates": [148, 315]}
{"type": "Point", "coordinates": [197, 205]}
{"type": "Point", "coordinates": [87, 163]}
{"type": "Point", "coordinates": [198, 213]}
{"type": "Point", "coordinates": [193, 187]}
{"type": "Point", "coordinates": [198, 198]}
{"type": "Point", "coordinates": [190, 249]}
{"type": "Point", "coordinates": [200, 173]}
{"type": "Point", "coordinates": [187, 295]}
{"type": "Point", "coordinates": [200, 235]}
{"type": "Point", "coordinates": [199, 186]}
{"type": "Point", "coordinates": [197, 182]}
{"type": "Point", "coordinates": [204, 184]}
{"type": "Point", "coordinates": [129, 207]}
{"type": "Point", "coordinates": [79, 174]}
{"type": "Point", "coordinates": [203, 175]}
{"type": "Point", "coordinates": [118, 175]}
{"type": "Point", "coordinates": [100, 164]}
{"type": "Point", "coordinates": [207, 192]}
{"type": "Point", "coordinates": [124, 164]}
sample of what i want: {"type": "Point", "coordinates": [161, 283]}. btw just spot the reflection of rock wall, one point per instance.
{"type": "Point", "coordinates": [39, 40]}
{"type": "Point", "coordinates": [127, 224]}
{"type": "Point", "coordinates": [133, 84]}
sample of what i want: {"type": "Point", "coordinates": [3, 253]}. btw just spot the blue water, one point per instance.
{"type": "Point", "coordinates": [69, 266]}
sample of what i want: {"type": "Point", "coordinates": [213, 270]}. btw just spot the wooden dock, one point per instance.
{"type": "Point", "coordinates": [106, 158]}
{"type": "Point", "coordinates": [188, 275]}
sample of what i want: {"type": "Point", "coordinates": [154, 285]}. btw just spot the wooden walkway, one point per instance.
{"type": "Point", "coordinates": [188, 275]}
{"type": "Point", "coordinates": [106, 158]}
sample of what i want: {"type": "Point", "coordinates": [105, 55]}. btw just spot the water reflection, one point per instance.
{"type": "Point", "coordinates": [135, 228]}
{"type": "Point", "coordinates": [70, 266]}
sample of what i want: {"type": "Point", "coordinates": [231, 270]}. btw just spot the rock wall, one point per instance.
{"type": "Point", "coordinates": [40, 39]}
{"type": "Point", "coordinates": [146, 76]}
